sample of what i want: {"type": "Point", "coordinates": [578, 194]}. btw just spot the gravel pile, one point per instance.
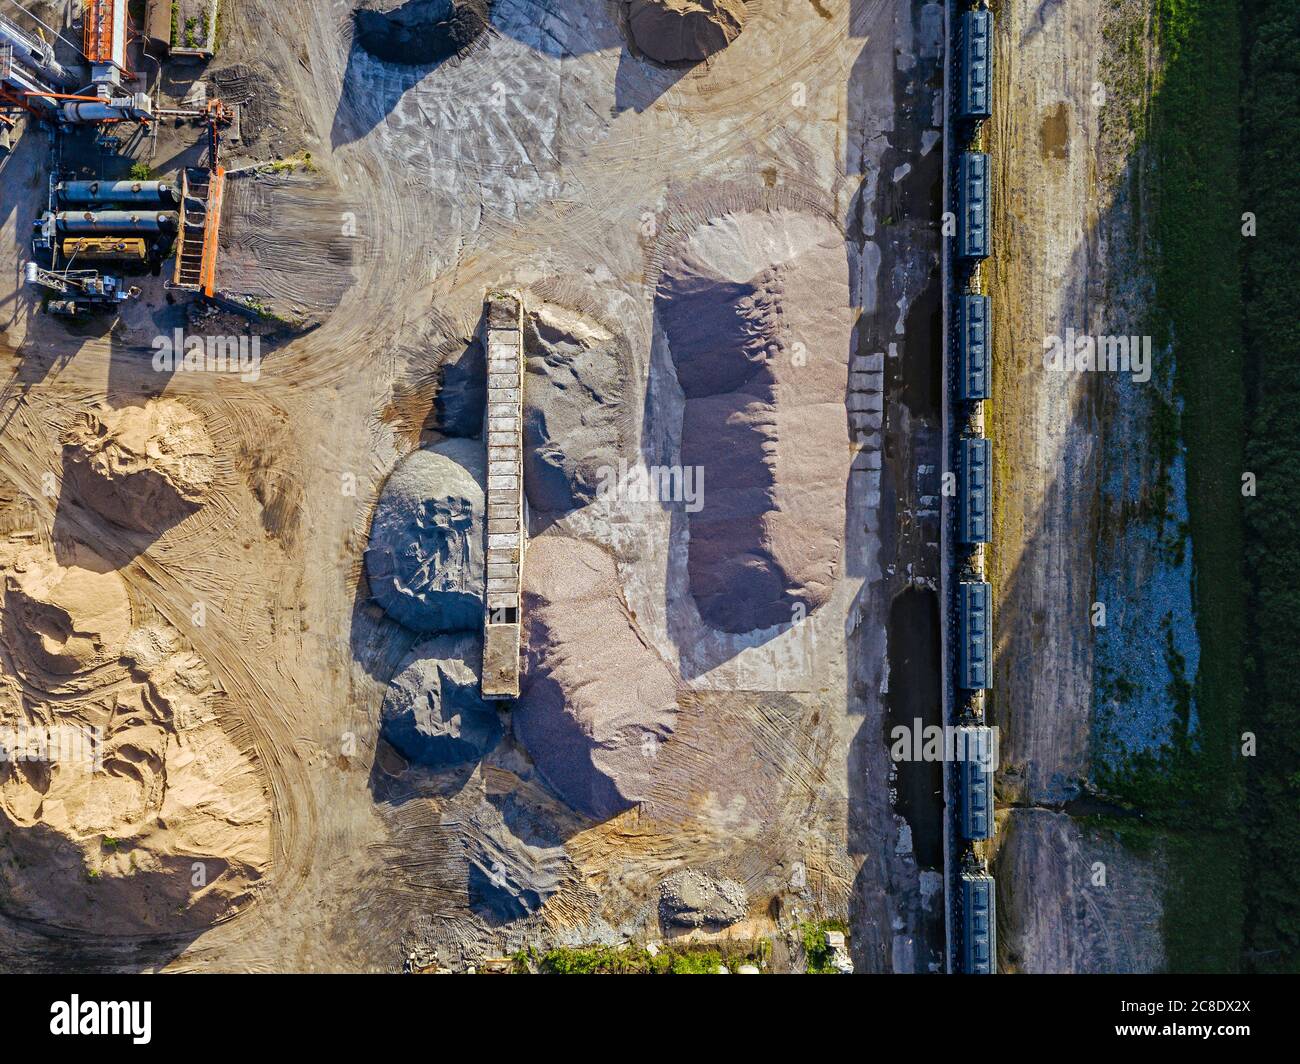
{"type": "Point", "coordinates": [596, 701]}
{"type": "Point", "coordinates": [142, 467]}
{"type": "Point", "coordinates": [755, 307]}
{"type": "Point", "coordinates": [691, 899]}
{"type": "Point", "coordinates": [685, 31]}
{"type": "Point", "coordinates": [420, 32]}
{"type": "Point", "coordinates": [575, 423]}
{"type": "Point", "coordinates": [425, 560]}
{"type": "Point", "coordinates": [432, 712]}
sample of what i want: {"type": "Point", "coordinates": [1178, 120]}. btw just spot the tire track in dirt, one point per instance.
{"type": "Point", "coordinates": [216, 642]}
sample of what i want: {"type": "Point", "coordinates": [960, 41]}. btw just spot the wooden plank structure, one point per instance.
{"type": "Point", "coordinates": [505, 496]}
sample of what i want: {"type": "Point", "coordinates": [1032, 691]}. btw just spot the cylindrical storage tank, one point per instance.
{"type": "Point", "coordinates": [34, 54]}
{"type": "Point", "coordinates": [116, 222]}
{"type": "Point", "coordinates": [142, 193]}
{"type": "Point", "coordinates": [81, 112]}
{"type": "Point", "coordinates": [106, 249]}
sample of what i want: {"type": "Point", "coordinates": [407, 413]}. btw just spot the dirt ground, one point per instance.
{"type": "Point", "coordinates": [551, 160]}
{"type": "Point", "coordinates": [1065, 255]}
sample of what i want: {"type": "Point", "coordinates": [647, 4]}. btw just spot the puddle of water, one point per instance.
{"type": "Point", "coordinates": [1055, 133]}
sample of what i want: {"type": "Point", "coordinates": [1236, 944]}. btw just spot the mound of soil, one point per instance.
{"type": "Point", "coordinates": [126, 808]}
{"type": "Point", "coordinates": [433, 713]}
{"type": "Point", "coordinates": [514, 863]}
{"type": "Point", "coordinates": [462, 393]}
{"type": "Point", "coordinates": [142, 467]}
{"type": "Point", "coordinates": [63, 620]}
{"type": "Point", "coordinates": [575, 421]}
{"type": "Point", "coordinates": [685, 31]}
{"type": "Point", "coordinates": [420, 32]}
{"type": "Point", "coordinates": [426, 555]}
{"type": "Point", "coordinates": [596, 700]}
{"type": "Point", "coordinates": [755, 307]}
{"type": "Point", "coordinates": [691, 899]}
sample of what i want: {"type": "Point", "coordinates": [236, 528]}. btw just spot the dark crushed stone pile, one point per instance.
{"type": "Point", "coordinates": [433, 712]}
{"type": "Point", "coordinates": [421, 32]}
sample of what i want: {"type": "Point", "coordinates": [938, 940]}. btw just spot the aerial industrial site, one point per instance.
{"type": "Point", "coordinates": [647, 486]}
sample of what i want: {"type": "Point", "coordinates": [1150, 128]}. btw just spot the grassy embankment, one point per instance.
{"type": "Point", "coordinates": [1225, 133]}
{"type": "Point", "coordinates": [679, 958]}
{"type": "Point", "coordinates": [673, 959]}
{"type": "Point", "coordinates": [1192, 794]}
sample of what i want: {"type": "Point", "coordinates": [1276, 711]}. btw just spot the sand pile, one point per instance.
{"type": "Point", "coordinates": [691, 899]}
{"type": "Point", "coordinates": [63, 620]}
{"type": "Point", "coordinates": [432, 711]}
{"type": "Point", "coordinates": [755, 308]}
{"type": "Point", "coordinates": [142, 467]}
{"type": "Point", "coordinates": [685, 31]}
{"type": "Point", "coordinates": [596, 700]}
{"type": "Point", "coordinates": [575, 422]}
{"type": "Point", "coordinates": [426, 555]}
{"type": "Point", "coordinates": [128, 809]}
{"type": "Point", "coordinates": [420, 32]}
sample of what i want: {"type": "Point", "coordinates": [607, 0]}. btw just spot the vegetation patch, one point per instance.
{"type": "Point", "coordinates": [1223, 800]}
{"type": "Point", "coordinates": [817, 952]}
{"type": "Point", "coordinates": [1191, 793]}
{"type": "Point", "coordinates": [672, 959]}
{"type": "Point", "coordinates": [1271, 169]}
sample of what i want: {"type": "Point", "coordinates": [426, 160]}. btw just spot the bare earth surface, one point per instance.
{"type": "Point", "coordinates": [552, 160]}
{"type": "Point", "coordinates": [1066, 256]}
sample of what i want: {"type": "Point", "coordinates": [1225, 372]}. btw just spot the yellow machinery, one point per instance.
{"type": "Point", "coordinates": [106, 249]}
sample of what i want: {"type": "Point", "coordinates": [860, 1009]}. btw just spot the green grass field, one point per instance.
{"type": "Point", "coordinates": [1271, 175]}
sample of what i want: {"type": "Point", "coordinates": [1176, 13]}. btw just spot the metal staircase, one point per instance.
{"type": "Point", "coordinates": [196, 243]}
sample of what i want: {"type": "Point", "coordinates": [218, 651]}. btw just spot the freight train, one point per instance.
{"type": "Point", "coordinates": [971, 347]}
{"type": "Point", "coordinates": [979, 923]}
